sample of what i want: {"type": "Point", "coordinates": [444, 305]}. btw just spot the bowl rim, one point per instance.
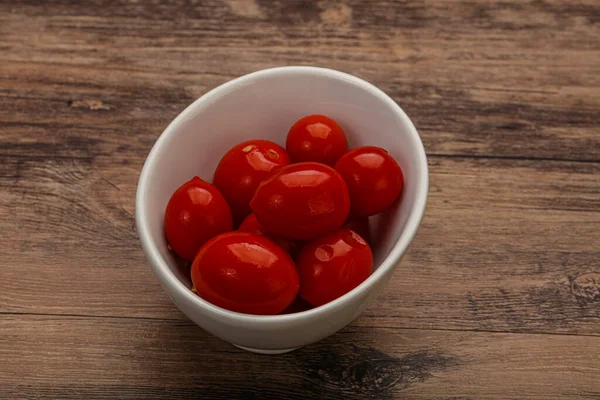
{"type": "Point", "coordinates": [168, 278]}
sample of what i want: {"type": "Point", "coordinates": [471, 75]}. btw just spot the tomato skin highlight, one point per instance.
{"type": "Point", "coordinates": [302, 201]}
{"type": "Point", "coordinates": [374, 179]}
{"type": "Point", "coordinates": [251, 224]}
{"type": "Point", "coordinates": [243, 168]}
{"type": "Point", "coordinates": [316, 138]}
{"type": "Point", "coordinates": [333, 265]}
{"type": "Point", "coordinates": [359, 225]}
{"type": "Point", "coordinates": [245, 272]}
{"type": "Point", "coordinates": [196, 212]}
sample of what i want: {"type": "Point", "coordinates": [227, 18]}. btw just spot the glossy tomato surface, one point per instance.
{"type": "Point", "coordinates": [245, 272]}
{"type": "Point", "coordinates": [302, 201]}
{"type": "Point", "coordinates": [251, 224]}
{"type": "Point", "coordinates": [333, 265]}
{"type": "Point", "coordinates": [243, 168]}
{"type": "Point", "coordinates": [195, 213]}
{"type": "Point", "coordinates": [316, 138]}
{"type": "Point", "coordinates": [373, 177]}
{"type": "Point", "coordinates": [359, 225]}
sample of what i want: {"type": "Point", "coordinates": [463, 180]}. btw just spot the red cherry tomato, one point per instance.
{"type": "Point", "coordinates": [374, 179]}
{"type": "Point", "coordinates": [302, 201]}
{"type": "Point", "coordinates": [316, 138]}
{"type": "Point", "coordinates": [359, 225]}
{"type": "Point", "coordinates": [251, 224]}
{"type": "Point", "coordinates": [243, 168]}
{"type": "Point", "coordinates": [298, 305]}
{"type": "Point", "coordinates": [333, 265]}
{"type": "Point", "coordinates": [245, 272]}
{"type": "Point", "coordinates": [195, 213]}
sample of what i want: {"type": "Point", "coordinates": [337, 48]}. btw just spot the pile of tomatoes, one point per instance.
{"type": "Point", "coordinates": [301, 213]}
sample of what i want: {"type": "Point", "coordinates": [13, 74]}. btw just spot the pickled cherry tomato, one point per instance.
{"type": "Point", "coordinates": [251, 224]}
{"type": "Point", "coordinates": [373, 177]}
{"type": "Point", "coordinates": [302, 201]}
{"type": "Point", "coordinates": [243, 168]}
{"type": "Point", "coordinates": [333, 265]}
{"type": "Point", "coordinates": [245, 272]}
{"type": "Point", "coordinates": [298, 305]}
{"type": "Point", "coordinates": [359, 225]}
{"type": "Point", "coordinates": [195, 213]}
{"type": "Point", "coordinates": [316, 138]}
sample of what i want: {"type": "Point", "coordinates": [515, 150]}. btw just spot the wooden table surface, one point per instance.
{"type": "Point", "coordinates": [499, 296]}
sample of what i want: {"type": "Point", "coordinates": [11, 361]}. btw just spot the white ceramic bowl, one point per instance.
{"type": "Point", "coordinates": [264, 105]}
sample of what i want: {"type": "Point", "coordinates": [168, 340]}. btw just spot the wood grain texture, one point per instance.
{"type": "Point", "coordinates": [499, 248]}
{"type": "Point", "coordinates": [102, 358]}
{"type": "Point", "coordinates": [499, 296]}
{"type": "Point", "coordinates": [515, 79]}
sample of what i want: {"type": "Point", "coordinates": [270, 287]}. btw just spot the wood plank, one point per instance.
{"type": "Point", "coordinates": [505, 95]}
{"type": "Point", "coordinates": [517, 79]}
{"type": "Point", "coordinates": [505, 245]}
{"type": "Point", "coordinates": [82, 103]}
{"type": "Point", "coordinates": [105, 358]}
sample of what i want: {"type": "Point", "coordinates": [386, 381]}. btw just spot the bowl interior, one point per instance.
{"type": "Point", "coordinates": [264, 105]}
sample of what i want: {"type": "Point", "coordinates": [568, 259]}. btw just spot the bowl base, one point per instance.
{"type": "Point", "coordinates": [264, 351]}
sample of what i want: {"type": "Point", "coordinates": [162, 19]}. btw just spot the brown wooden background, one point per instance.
{"type": "Point", "coordinates": [499, 296]}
